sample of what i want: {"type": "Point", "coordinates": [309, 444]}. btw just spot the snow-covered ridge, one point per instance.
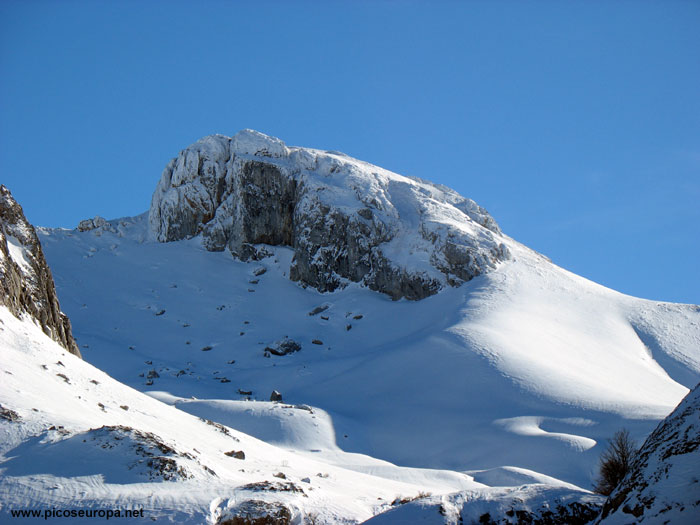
{"type": "Point", "coordinates": [346, 220]}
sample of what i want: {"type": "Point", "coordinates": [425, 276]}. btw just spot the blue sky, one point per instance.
{"type": "Point", "coordinates": [576, 124]}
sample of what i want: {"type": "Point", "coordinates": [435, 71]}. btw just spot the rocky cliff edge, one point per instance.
{"type": "Point", "coordinates": [346, 220]}
{"type": "Point", "coordinates": [26, 284]}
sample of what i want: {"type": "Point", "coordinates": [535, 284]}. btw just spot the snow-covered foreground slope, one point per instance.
{"type": "Point", "coordinates": [72, 437]}
{"type": "Point", "coordinates": [527, 366]}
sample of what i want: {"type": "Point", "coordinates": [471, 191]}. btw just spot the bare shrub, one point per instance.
{"type": "Point", "coordinates": [615, 462]}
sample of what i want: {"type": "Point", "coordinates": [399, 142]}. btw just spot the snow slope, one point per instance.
{"type": "Point", "coordinates": [71, 437]}
{"type": "Point", "coordinates": [493, 396]}
{"type": "Point", "coordinates": [528, 366]}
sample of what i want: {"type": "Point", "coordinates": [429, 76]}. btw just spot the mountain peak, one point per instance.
{"type": "Point", "coordinates": [251, 142]}
{"type": "Point", "coordinates": [347, 220]}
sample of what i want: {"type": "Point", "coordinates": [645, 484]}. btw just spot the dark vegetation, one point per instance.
{"type": "Point", "coordinates": [615, 462]}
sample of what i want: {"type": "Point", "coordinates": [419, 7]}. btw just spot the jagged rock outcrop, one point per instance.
{"type": "Point", "coordinates": [346, 220]}
{"type": "Point", "coordinates": [663, 484]}
{"type": "Point", "coordinates": [26, 284]}
{"type": "Point", "coordinates": [92, 224]}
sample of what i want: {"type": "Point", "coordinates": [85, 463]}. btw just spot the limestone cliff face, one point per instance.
{"type": "Point", "coordinates": [346, 220]}
{"type": "Point", "coordinates": [26, 284]}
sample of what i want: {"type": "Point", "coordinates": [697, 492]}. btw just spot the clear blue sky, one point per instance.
{"type": "Point", "coordinates": [576, 124]}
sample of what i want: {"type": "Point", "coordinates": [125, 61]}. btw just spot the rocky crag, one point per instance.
{"type": "Point", "coordinates": [346, 220]}
{"type": "Point", "coordinates": [663, 485]}
{"type": "Point", "coordinates": [26, 284]}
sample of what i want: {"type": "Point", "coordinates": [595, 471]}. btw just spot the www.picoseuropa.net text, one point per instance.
{"type": "Point", "coordinates": [103, 514]}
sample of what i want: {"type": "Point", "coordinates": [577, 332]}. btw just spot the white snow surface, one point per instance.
{"type": "Point", "coordinates": [19, 254]}
{"type": "Point", "coordinates": [528, 366]}
{"type": "Point", "coordinates": [511, 382]}
{"type": "Point", "coordinates": [59, 455]}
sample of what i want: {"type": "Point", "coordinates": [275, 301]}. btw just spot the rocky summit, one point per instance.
{"type": "Point", "coordinates": [26, 284]}
{"type": "Point", "coordinates": [346, 220]}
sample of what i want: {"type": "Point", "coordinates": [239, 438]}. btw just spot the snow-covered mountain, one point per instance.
{"type": "Point", "coordinates": [398, 322]}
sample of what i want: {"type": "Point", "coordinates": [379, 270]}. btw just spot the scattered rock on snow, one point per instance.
{"type": "Point", "coordinates": [319, 309]}
{"type": "Point", "coordinates": [284, 347]}
{"type": "Point", "coordinates": [92, 224]}
{"type": "Point", "coordinates": [255, 512]}
{"type": "Point", "coordinates": [275, 396]}
{"type": "Point", "coordinates": [9, 415]}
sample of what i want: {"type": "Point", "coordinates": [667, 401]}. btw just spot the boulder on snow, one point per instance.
{"type": "Point", "coordinates": [275, 396]}
{"type": "Point", "coordinates": [92, 224]}
{"type": "Point", "coordinates": [284, 347]}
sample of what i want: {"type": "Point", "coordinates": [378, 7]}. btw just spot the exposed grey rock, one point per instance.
{"type": "Point", "coordinates": [275, 396]}
{"type": "Point", "coordinates": [26, 284]}
{"type": "Point", "coordinates": [318, 310]}
{"type": "Point", "coordinates": [92, 224]}
{"type": "Point", "coordinates": [535, 504]}
{"type": "Point", "coordinates": [284, 347]}
{"type": "Point", "coordinates": [663, 484]}
{"type": "Point", "coordinates": [256, 512]}
{"type": "Point", "coordinates": [9, 415]}
{"type": "Point", "coordinates": [347, 221]}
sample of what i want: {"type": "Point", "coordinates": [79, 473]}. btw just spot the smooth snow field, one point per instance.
{"type": "Point", "coordinates": [511, 382]}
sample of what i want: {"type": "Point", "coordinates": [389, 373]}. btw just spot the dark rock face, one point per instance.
{"type": "Point", "coordinates": [574, 513]}
{"type": "Point", "coordinates": [346, 221]}
{"type": "Point", "coordinates": [663, 484]}
{"type": "Point", "coordinates": [26, 284]}
{"type": "Point", "coordinates": [275, 396]}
